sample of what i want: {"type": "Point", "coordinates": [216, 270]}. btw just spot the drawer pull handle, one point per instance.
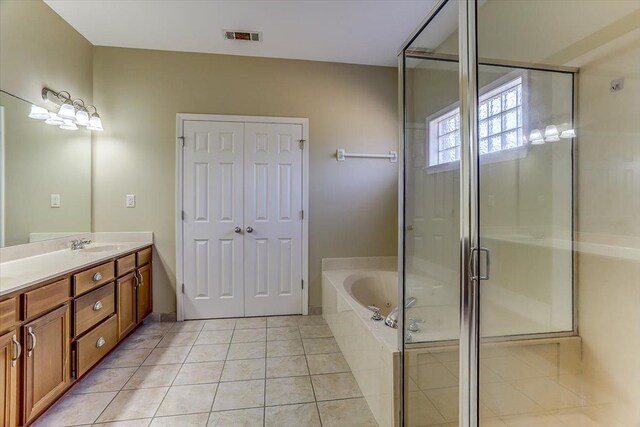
{"type": "Point", "coordinates": [97, 277]}
{"type": "Point", "coordinates": [101, 341]}
{"type": "Point", "coordinates": [97, 306]}
{"type": "Point", "coordinates": [141, 280]}
{"type": "Point", "coordinates": [17, 351]}
{"type": "Point", "coordinates": [33, 341]}
{"type": "Point", "coordinates": [135, 277]}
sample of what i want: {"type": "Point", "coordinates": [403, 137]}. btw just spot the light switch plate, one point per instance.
{"type": "Point", "coordinates": [130, 201]}
{"type": "Point", "coordinates": [55, 200]}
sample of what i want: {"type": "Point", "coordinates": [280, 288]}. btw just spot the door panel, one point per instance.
{"type": "Point", "coordinates": [273, 205]}
{"type": "Point", "coordinates": [144, 298]}
{"type": "Point", "coordinates": [46, 365]}
{"type": "Point", "coordinates": [8, 379]}
{"type": "Point", "coordinates": [213, 208]}
{"type": "Point", "coordinates": [126, 304]}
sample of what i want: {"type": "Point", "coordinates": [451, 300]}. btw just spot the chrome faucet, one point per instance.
{"type": "Point", "coordinates": [79, 244]}
{"type": "Point", "coordinates": [392, 319]}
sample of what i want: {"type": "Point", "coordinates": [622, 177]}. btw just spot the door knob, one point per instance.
{"type": "Point", "coordinates": [238, 230]}
{"type": "Point", "coordinates": [249, 229]}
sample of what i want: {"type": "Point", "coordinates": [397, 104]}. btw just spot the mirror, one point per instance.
{"type": "Point", "coordinates": [45, 177]}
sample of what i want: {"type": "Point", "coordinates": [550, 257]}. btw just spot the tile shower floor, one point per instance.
{"type": "Point", "coordinates": [268, 371]}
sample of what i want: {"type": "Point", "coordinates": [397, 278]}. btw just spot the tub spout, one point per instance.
{"type": "Point", "coordinates": [392, 318]}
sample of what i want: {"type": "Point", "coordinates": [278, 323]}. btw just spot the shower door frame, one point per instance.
{"type": "Point", "coordinates": [469, 341]}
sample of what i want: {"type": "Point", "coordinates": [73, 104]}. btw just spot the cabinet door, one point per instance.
{"type": "Point", "coordinates": [144, 292]}
{"type": "Point", "coordinates": [127, 318]}
{"type": "Point", "coordinates": [46, 360]}
{"type": "Point", "coordinates": [9, 355]}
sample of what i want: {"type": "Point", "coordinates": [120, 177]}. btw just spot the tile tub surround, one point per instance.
{"type": "Point", "coordinates": [24, 265]}
{"type": "Point", "coordinates": [279, 374]}
{"type": "Point", "coordinates": [369, 348]}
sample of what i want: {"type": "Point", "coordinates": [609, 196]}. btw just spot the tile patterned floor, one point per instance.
{"type": "Point", "coordinates": [268, 371]}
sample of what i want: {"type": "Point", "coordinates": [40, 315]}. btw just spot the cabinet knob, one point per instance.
{"type": "Point", "coordinates": [97, 277]}
{"type": "Point", "coordinates": [97, 306]}
{"type": "Point", "coordinates": [101, 341]}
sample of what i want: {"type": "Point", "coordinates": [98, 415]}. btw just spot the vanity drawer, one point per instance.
{"type": "Point", "coordinates": [95, 345]}
{"type": "Point", "coordinates": [92, 278]}
{"type": "Point", "coordinates": [92, 308]}
{"type": "Point", "coordinates": [43, 299]}
{"type": "Point", "coordinates": [144, 256]}
{"type": "Point", "coordinates": [125, 264]}
{"type": "Point", "coordinates": [8, 314]}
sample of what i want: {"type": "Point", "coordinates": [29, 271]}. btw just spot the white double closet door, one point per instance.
{"type": "Point", "coordinates": [242, 227]}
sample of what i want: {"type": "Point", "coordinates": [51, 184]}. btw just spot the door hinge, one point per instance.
{"type": "Point", "coordinates": [302, 141]}
{"type": "Point", "coordinates": [183, 288]}
{"type": "Point", "coordinates": [303, 284]}
{"type": "Point", "coordinates": [302, 214]}
{"type": "Point", "coordinates": [182, 215]}
{"type": "Point", "coordinates": [181, 138]}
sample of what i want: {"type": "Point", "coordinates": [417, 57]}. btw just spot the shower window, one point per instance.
{"type": "Point", "coordinates": [500, 127]}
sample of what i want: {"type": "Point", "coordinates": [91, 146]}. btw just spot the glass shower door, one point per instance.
{"type": "Point", "coordinates": [558, 201]}
{"type": "Point", "coordinates": [431, 323]}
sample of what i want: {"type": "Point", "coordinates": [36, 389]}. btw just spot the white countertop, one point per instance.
{"type": "Point", "coordinates": [30, 270]}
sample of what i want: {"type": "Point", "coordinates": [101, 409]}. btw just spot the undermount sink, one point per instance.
{"type": "Point", "coordinates": [101, 248]}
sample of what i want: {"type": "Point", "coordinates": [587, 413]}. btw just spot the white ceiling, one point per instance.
{"type": "Point", "coordinates": [359, 32]}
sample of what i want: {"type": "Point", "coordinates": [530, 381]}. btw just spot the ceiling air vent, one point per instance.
{"type": "Point", "coordinates": [252, 36]}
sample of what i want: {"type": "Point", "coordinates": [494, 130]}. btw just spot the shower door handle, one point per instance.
{"type": "Point", "coordinates": [477, 275]}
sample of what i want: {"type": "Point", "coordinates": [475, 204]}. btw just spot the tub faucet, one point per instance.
{"type": "Point", "coordinates": [392, 319]}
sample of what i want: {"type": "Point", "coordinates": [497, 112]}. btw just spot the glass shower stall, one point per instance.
{"type": "Point", "coordinates": [520, 215]}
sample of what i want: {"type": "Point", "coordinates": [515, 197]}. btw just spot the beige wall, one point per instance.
{"type": "Point", "coordinates": [609, 208]}
{"type": "Point", "coordinates": [38, 48]}
{"type": "Point", "coordinates": [352, 204]}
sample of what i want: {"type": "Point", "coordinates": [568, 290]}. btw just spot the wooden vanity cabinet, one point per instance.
{"type": "Point", "coordinates": [9, 356]}
{"type": "Point", "coordinates": [46, 353]}
{"type": "Point", "coordinates": [54, 332]}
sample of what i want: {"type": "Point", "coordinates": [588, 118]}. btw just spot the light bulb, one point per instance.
{"type": "Point", "coordinates": [551, 133]}
{"type": "Point", "coordinates": [82, 118]}
{"type": "Point", "coordinates": [68, 125]}
{"type": "Point", "coordinates": [95, 123]}
{"type": "Point", "coordinates": [54, 119]}
{"type": "Point", "coordinates": [38, 113]}
{"type": "Point", "coordinates": [67, 111]}
{"type": "Point", "coordinates": [568, 134]}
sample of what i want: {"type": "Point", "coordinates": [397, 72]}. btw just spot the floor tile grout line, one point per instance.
{"type": "Point", "coordinates": [315, 398]}
{"type": "Point", "coordinates": [122, 388]}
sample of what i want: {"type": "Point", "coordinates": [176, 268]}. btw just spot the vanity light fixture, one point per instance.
{"type": "Point", "coordinates": [95, 122]}
{"type": "Point", "coordinates": [568, 134]}
{"type": "Point", "coordinates": [69, 113]}
{"type": "Point", "coordinates": [551, 134]}
{"type": "Point", "coordinates": [68, 125]}
{"type": "Point", "coordinates": [38, 113]}
{"type": "Point", "coordinates": [54, 119]}
{"type": "Point", "coordinates": [536, 137]}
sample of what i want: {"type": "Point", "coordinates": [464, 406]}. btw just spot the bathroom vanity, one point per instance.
{"type": "Point", "coordinates": [61, 312]}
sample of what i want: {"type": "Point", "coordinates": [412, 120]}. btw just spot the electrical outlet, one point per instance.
{"type": "Point", "coordinates": [130, 201]}
{"type": "Point", "coordinates": [55, 200]}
